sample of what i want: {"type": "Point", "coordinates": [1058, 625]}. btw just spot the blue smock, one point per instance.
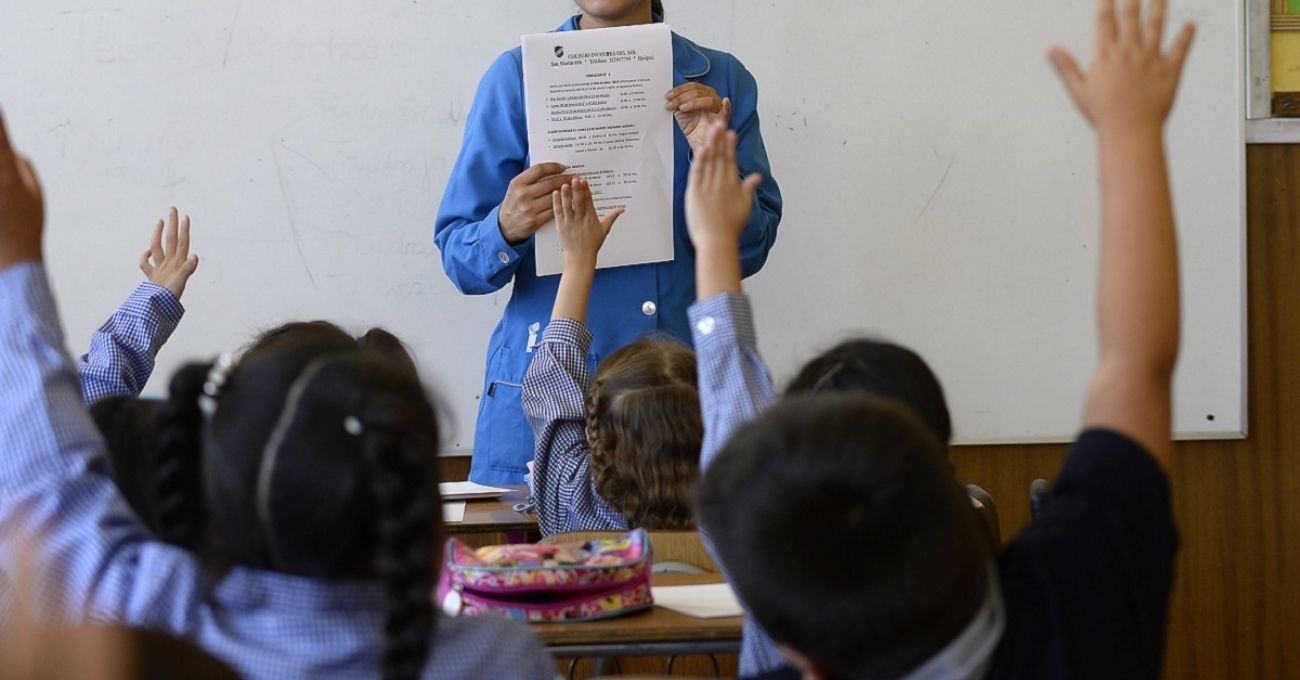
{"type": "Point", "coordinates": [626, 302]}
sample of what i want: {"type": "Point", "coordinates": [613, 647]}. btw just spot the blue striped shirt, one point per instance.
{"type": "Point", "coordinates": [555, 402]}
{"type": "Point", "coordinates": [95, 561]}
{"type": "Point", "coordinates": [734, 389]}
{"type": "Point", "coordinates": [122, 351]}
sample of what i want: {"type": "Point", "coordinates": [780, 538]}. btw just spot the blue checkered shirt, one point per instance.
{"type": "Point", "coordinates": [122, 351]}
{"type": "Point", "coordinates": [555, 402]}
{"type": "Point", "coordinates": [96, 562]}
{"type": "Point", "coordinates": [734, 389]}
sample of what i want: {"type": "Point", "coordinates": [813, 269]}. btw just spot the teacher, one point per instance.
{"type": "Point", "coordinates": [495, 202]}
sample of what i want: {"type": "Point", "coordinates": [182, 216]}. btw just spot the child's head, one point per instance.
{"type": "Point", "coordinates": [881, 368]}
{"type": "Point", "coordinates": [318, 460]}
{"type": "Point", "coordinates": [846, 533]}
{"type": "Point", "coordinates": [644, 429]}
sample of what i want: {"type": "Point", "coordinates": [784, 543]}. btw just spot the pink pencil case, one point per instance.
{"type": "Point", "coordinates": [548, 583]}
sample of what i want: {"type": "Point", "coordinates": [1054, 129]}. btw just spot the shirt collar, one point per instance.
{"type": "Point", "coordinates": [689, 60]}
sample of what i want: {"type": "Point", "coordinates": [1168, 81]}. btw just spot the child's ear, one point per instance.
{"type": "Point", "coordinates": [806, 666]}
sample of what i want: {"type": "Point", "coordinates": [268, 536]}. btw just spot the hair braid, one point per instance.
{"type": "Point", "coordinates": [182, 512]}
{"type": "Point", "coordinates": [406, 503]}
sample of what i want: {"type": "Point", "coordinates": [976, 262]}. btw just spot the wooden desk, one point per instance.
{"type": "Point", "coordinates": [496, 516]}
{"type": "Point", "coordinates": [654, 632]}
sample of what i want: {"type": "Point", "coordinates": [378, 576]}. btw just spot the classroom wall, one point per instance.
{"type": "Point", "coordinates": [1236, 607]}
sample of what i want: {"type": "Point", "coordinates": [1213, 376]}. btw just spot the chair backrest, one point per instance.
{"type": "Point", "coordinates": [987, 510]}
{"type": "Point", "coordinates": [680, 547]}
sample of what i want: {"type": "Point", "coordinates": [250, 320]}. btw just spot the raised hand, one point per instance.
{"type": "Point", "coordinates": [168, 261]}
{"type": "Point", "coordinates": [582, 231]}
{"type": "Point", "coordinates": [696, 106]}
{"type": "Point", "coordinates": [22, 208]}
{"type": "Point", "coordinates": [718, 203]}
{"type": "Point", "coordinates": [527, 205]}
{"type": "Point", "coordinates": [1131, 81]}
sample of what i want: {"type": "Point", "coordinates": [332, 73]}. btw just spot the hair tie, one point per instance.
{"type": "Point", "coordinates": [218, 375]}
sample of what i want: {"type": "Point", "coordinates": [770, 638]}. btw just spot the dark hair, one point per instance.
{"type": "Point", "coordinates": [130, 429]}
{"type": "Point", "coordinates": [320, 461]}
{"type": "Point", "coordinates": [894, 566]}
{"type": "Point", "coordinates": [644, 429]}
{"type": "Point", "coordinates": [657, 8]}
{"type": "Point", "coordinates": [881, 368]}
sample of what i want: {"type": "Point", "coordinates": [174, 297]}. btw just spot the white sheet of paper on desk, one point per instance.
{"type": "Point", "coordinates": [595, 102]}
{"type": "Point", "coordinates": [453, 512]}
{"type": "Point", "coordinates": [466, 491]}
{"type": "Point", "coordinates": [710, 601]}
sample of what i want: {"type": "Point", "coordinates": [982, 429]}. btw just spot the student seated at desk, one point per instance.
{"type": "Point", "coordinates": [156, 461]}
{"type": "Point", "coordinates": [319, 472]}
{"type": "Point", "coordinates": [837, 516]}
{"type": "Point", "coordinates": [621, 450]}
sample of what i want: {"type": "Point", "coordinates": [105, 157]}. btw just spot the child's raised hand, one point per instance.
{"type": "Point", "coordinates": [1131, 82]}
{"type": "Point", "coordinates": [22, 209]}
{"type": "Point", "coordinates": [168, 261]}
{"type": "Point", "coordinates": [718, 203]}
{"type": "Point", "coordinates": [582, 231]}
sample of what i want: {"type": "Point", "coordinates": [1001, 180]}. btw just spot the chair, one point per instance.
{"type": "Point", "coordinates": [987, 510]}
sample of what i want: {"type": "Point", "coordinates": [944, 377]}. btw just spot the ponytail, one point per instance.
{"type": "Point", "coordinates": [406, 503]}
{"type": "Point", "coordinates": [182, 512]}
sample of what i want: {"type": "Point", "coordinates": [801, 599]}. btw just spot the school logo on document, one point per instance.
{"type": "Point", "coordinates": [559, 51]}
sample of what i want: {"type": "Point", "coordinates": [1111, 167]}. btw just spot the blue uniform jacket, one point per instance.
{"type": "Point", "coordinates": [626, 302]}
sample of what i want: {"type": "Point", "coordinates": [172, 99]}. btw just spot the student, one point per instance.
{"type": "Point", "coordinates": [908, 589]}
{"type": "Point", "coordinates": [151, 443]}
{"type": "Point", "coordinates": [494, 202]}
{"type": "Point", "coordinates": [320, 480]}
{"type": "Point", "coordinates": [120, 361]}
{"type": "Point", "coordinates": [621, 451]}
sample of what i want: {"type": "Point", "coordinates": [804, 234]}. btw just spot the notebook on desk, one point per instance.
{"type": "Point", "coordinates": [468, 491]}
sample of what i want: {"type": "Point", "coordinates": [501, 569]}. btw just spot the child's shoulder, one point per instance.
{"type": "Point", "coordinates": [487, 646]}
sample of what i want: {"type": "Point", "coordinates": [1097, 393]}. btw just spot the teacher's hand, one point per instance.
{"type": "Point", "coordinates": [695, 105]}
{"type": "Point", "coordinates": [527, 205]}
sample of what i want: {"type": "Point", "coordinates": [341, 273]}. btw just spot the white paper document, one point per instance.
{"type": "Point", "coordinates": [461, 491]}
{"type": "Point", "coordinates": [595, 102]}
{"type": "Point", "coordinates": [453, 512]}
{"type": "Point", "coordinates": [711, 601]}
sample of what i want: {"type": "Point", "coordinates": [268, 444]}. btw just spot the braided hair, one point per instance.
{"type": "Point", "coordinates": [318, 460]}
{"type": "Point", "coordinates": [644, 430]}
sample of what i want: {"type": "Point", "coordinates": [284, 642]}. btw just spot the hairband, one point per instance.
{"type": "Point", "coordinates": [218, 375]}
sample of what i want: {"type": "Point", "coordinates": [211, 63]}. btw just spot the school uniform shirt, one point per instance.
{"type": "Point", "coordinates": [626, 302]}
{"type": "Point", "coordinates": [123, 350]}
{"type": "Point", "coordinates": [1085, 587]}
{"type": "Point", "coordinates": [555, 403]}
{"type": "Point", "coordinates": [121, 359]}
{"type": "Point", "coordinates": [59, 508]}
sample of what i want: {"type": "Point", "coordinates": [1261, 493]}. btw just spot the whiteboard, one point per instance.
{"type": "Point", "coordinates": [939, 189]}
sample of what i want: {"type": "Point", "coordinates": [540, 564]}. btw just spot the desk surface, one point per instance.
{"type": "Point", "coordinates": [655, 626]}
{"type": "Point", "coordinates": [496, 515]}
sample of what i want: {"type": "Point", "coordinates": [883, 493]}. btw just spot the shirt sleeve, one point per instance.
{"type": "Point", "coordinates": [58, 507]}
{"type": "Point", "coordinates": [475, 255]}
{"type": "Point", "coordinates": [555, 403]}
{"type": "Point", "coordinates": [1087, 584]}
{"type": "Point", "coordinates": [123, 350]}
{"type": "Point", "coordinates": [751, 155]}
{"type": "Point", "coordinates": [735, 388]}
